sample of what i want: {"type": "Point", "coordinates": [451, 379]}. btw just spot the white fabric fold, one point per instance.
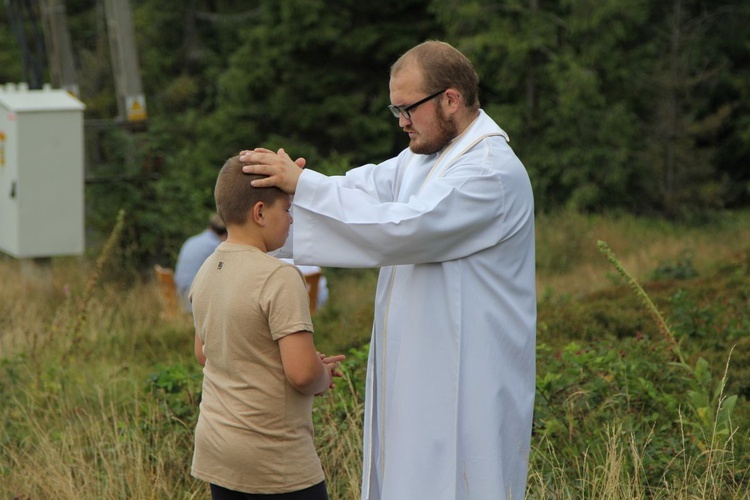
{"type": "Point", "coordinates": [451, 374]}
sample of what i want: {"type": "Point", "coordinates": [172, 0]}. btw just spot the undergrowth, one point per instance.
{"type": "Point", "coordinates": [642, 389]}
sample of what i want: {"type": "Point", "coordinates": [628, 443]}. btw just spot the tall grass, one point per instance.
{"type": "Point", "coordinates": [568, 260]}
{"type": "Point", "coordinates": [618, 473]}
{"type": "Point", "coordinates": [87, 445]}
{"type": "Point", "coordinates": [98, 389]}
{"type": "Point", "coordinates": [339, 439]}
{"type": "Point", "coordinates": [718, 471]}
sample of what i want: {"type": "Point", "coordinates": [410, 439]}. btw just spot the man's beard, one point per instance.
{"type": "Point", "coordinates": [445, 130]}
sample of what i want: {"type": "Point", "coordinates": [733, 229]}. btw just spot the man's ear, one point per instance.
{"type": "Point", "coordinates": [258, 212]}
{"type": "Point", "coordinates": [453, 99]}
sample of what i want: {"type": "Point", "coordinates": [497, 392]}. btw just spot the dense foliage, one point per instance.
{"type": "Point", "coordinates": [619, 410]}
{"type": "Point", "coordinates": [671, 384]}
{"type": "Point", "coordinates": [635, 105]}
{"type": "Point", "coordinates": [100, 387]}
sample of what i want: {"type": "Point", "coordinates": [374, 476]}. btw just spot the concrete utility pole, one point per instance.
{"type": "Point", "coordinates": [59, 49]}
{"type": "Point", "coordinates": [131, 103]}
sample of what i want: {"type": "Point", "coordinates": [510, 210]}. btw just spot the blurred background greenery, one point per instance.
{"type": "Point", "coordinates": [632, 106]}
{"type": "Point", "coordinates": [632, 119]}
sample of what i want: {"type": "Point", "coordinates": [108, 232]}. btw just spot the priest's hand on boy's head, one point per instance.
{"type": "Point", "coordinates": [282, 171]}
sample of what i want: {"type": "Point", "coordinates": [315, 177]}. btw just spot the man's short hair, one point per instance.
{"type": "Point", "coordinates": [235, 196]}
{"type": "Point", "coordinates": [442, 66]}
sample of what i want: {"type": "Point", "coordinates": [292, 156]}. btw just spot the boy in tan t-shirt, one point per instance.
{"type": "Point", "coordinates": [253, 334]}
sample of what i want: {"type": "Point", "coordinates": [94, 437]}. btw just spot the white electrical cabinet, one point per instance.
{"type": "Point", "coordinates": [41, 172]}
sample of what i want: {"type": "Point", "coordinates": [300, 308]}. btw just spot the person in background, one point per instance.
{"type": "Point", "coordinates": [253, 336]}
{"type": "Point", "coordinates": [194, 251]}
{"type": "Point", "coordinates": [450, 222]}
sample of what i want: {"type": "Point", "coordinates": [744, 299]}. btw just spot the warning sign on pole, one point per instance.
{"type": "Point", "coordinates": [2, 148]}
{"type": "Point", "coordinates": [136, 106]}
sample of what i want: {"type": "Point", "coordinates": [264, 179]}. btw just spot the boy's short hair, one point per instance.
{"type": "Point", "coordinates": [235, 196]}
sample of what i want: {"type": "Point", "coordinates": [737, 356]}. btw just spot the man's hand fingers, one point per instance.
{"type": "Point", "coordinates": [252, 157]}
{"type": "Point", "coordinates": [257, 155]}
{"type": "Point", "coordinates": [300, 162]}
{"type": "Point", "coordinates": [265, 182]}
{"type": "Point", "coordinates": [259, 168]}
{"type": "Point", "coordinates": [245, 155]}
{"type": "Point", "coordinates": [259, 183]}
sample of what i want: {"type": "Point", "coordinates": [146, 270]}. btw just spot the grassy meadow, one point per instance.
{"type": "Point", "coordinates": [642, 388]}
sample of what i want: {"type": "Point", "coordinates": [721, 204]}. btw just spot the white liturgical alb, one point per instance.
{"type": "Point", "coordinates": [451, 373]}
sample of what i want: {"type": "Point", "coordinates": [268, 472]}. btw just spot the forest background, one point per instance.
{"type": "Point", "coordinates": [632, 105]}
{"type": "Point", "coordinates": [631, 117]}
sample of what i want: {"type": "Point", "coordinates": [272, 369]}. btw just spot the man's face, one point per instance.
{"type": "Point", "coordinates": [428, 126]}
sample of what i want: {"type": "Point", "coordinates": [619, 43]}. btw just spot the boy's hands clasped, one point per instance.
{"type": "Point", "coordinates": [331, 364]}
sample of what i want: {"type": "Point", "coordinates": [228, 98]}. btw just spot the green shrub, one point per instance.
{"type": "Point", "coordinates": [176, 391]}
{"type": "Point", "coordinates": [644, 386]}
{"type": "Point", "coordinates": [681, 269]}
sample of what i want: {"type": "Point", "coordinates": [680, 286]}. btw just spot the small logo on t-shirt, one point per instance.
{"type": "Point", "coordinates": [221, 264]}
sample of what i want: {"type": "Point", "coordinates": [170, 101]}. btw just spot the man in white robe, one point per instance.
{"type": "Point", "coordinates": [450, 222]}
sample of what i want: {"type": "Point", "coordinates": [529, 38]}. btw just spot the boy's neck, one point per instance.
{"type": "Point", "coordinates": [238, 236]}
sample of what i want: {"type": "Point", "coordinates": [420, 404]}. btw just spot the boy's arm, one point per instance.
{"type": "Point", "coordinates": [199, 350]}
{"type": "Point", "coordinates": [303, 367]}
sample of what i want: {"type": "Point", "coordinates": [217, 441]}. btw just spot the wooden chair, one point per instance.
{"type": "Point", "coordinates": [168, 291]}
{"type": "Point", "coordinates": [313, 281]}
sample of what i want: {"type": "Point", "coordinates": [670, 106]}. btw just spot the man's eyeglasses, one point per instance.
{"type": "Point", "coordinates": [404, 110]}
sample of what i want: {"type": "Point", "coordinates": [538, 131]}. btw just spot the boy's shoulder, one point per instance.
{"type": "Point", "coordinates": [287, 268]}
{"type": "Point", "coordinates": [257, 261]}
